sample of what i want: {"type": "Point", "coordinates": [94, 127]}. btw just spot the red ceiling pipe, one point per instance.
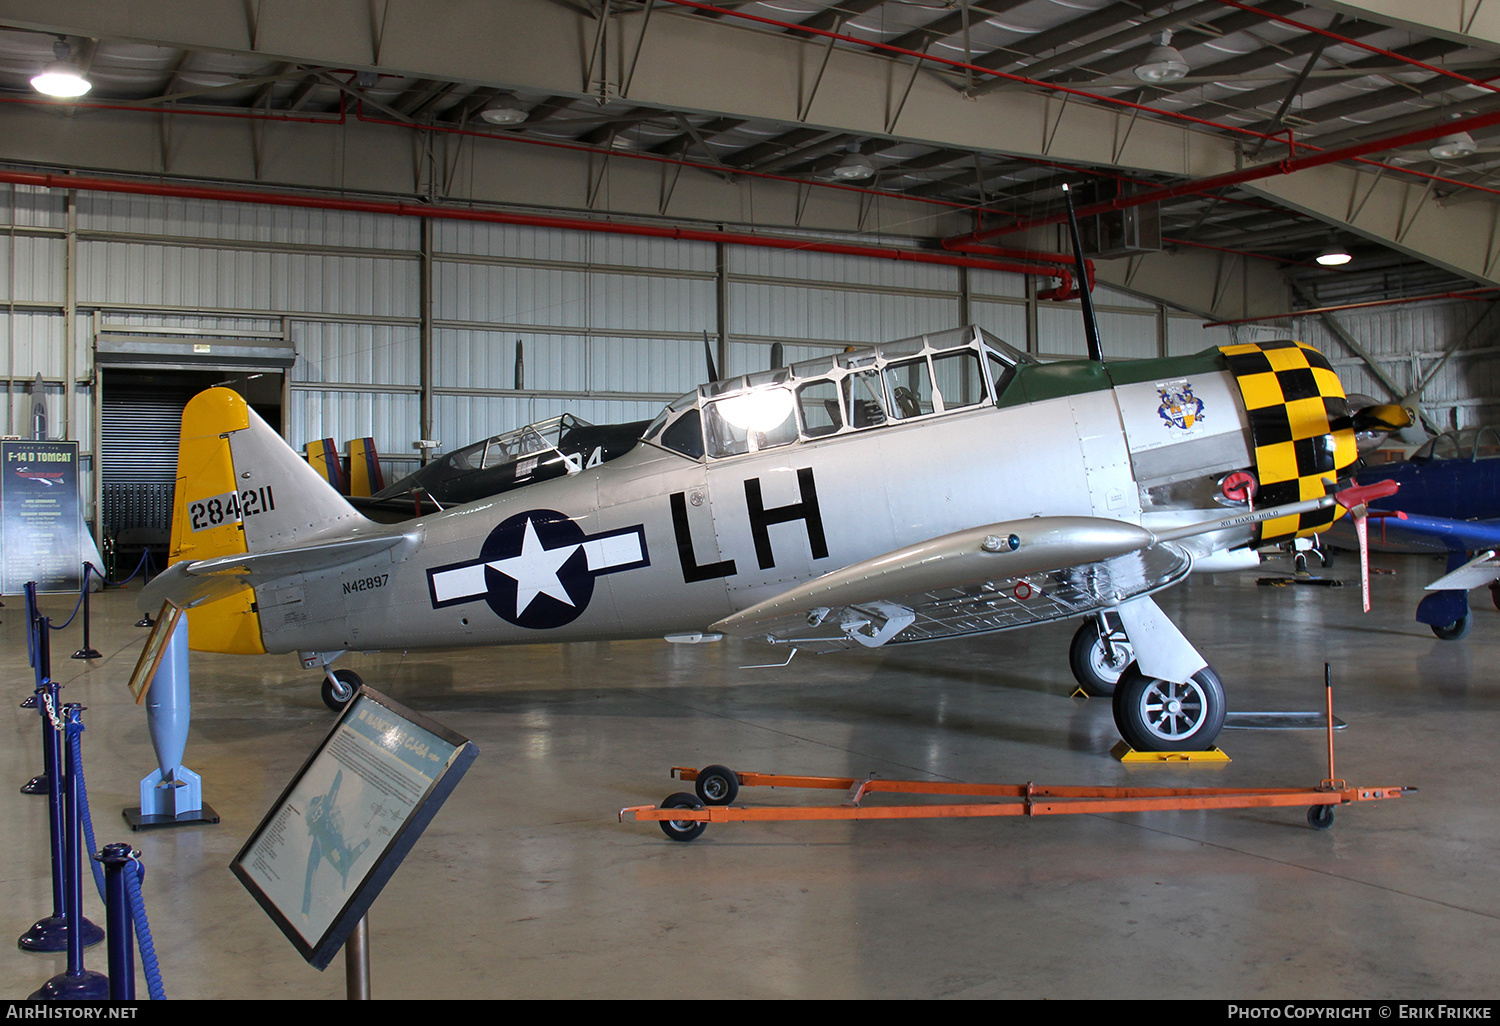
{"type": "Point", "coordinates": [399, 209]}
{"type": "Point", "coordinates": [1482, 294]}
{"type": "Point", "coordinates": [1061, 259]}
{"type": "Point", "coordinates": [1237, 252]}
{"type": "Point", "coordinates": [1064, 289]}
{"type": "Point", "coordinates": [722, 169]}
{"type": "Point", "coordinates": [1285, 166]}
{"type": "Point", "coordinates": [264, 115]}
{"type": "Point", "coordinates": [1336, 37]}
{"type": "Point", "coordinates": [957, 65]}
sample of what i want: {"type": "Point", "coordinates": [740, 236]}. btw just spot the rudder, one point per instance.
{"type": "Point", "coordinates": [241, 488]}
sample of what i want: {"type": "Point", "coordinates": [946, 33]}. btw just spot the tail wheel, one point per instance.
{"type": "Point", "coordinates": [1098, 659]}
{"type": "Point", "coordinates": [1454, 631]}
{"type": "Point", "coordinates": [1169, 716]}
{"type": "Point", "coordinates": [339, 687]}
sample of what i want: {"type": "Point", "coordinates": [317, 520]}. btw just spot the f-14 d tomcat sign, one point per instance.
{"type": "Point", "coordinates": [937, 487]}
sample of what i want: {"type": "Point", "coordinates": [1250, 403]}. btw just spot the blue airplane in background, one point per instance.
{"type": "Point", "coordinates": [1448, 503]}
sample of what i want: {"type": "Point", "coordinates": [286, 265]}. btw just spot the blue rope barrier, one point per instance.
{"type": "Point", "coordinates": [145, 561]}
{"type": "Point", "coordinates": [132, 877]}
{"type": "Point", "coordinates": [87, 569]}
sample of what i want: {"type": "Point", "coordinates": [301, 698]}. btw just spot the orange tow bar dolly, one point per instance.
{"type": "Point", "coordinates": [684, 816]}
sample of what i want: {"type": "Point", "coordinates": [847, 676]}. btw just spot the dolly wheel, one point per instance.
{"type": "Point", "coordinates": [1320, 817]}
{"type": "Point", "coordinates": [717, 785]}
{"type": "Point", "coordinates": [682, 829]}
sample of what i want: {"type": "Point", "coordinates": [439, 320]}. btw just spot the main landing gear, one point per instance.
{"type": "Point", "coordinates": [1152, 713]}
{"type": "Point", "coordinates": [1166, 716]}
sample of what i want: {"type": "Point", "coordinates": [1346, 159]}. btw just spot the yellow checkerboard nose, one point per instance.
{"type": "Point", "coordinates": [1300, 428]}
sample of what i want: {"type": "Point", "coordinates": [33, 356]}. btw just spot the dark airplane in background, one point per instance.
{"type": "Point", "coordinates": [551, 448]}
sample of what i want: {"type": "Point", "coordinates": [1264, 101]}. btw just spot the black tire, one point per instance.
{"type": "Point", "coordinates": [717, 785]}
{"type": "Point", "coordinates": [1092, 667]}
{"type": "Point", "coordinates": [339, 687]}
{"type": "Point", "coordinates": [1299, 563]}
{"type": "Point", "coordinates": [1320, 817]}
{"type": "Point", "coordinates": [682, 829]}
{"type": "Point", "coordinates": [1456, 630]}
{"type": "Point", "coordinates": [1495, 593]}
{"type": "Point", "coordinates": [1163, 716]}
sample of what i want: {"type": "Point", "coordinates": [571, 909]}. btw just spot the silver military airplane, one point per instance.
{"type": "Point", "coordinates": [935, 487]}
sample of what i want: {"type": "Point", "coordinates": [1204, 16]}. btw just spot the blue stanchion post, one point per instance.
{"type": "Point", "coordinates": [87, 651]}
{"type": "Point", "coordinates": [37, 784]}
{"type": "Point", "coordinates": [117, 859]}
{"type": "Point", "coordinates": [75, 983]}
{"type": "Point", "coordinates": [52, 933]}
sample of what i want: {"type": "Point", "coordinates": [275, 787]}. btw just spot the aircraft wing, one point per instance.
{"type": "Point", "coordinates": [1453, 535]}
{"type": "Point", "coordinates": [1481, 570]}
{"type": "Point", "coordinates": [191, 582]}
{"type": "Point", "coordinates": [1004, 575]}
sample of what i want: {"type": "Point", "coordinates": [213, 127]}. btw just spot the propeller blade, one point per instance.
{"type": "Point", "coordinates": [1362, 529]}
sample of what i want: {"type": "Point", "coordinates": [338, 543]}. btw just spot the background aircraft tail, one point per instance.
{"type": "Point", "coordinates": [242, 489]}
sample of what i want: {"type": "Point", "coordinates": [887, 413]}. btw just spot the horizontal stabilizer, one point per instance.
{"type": "Point", "coordinates": [190, 583]}
{"type": "Point", "coordinates": [1481, 570]}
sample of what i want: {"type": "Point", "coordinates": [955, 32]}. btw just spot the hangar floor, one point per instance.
{"type": "Point", "coordinates": [527, 886]}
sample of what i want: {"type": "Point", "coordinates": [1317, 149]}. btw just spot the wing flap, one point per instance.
{"type": "Point", "coordinates": [1004, 575]}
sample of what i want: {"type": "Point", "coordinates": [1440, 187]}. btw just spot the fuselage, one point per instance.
{"type": "Point", "coordinates": [747, 488]}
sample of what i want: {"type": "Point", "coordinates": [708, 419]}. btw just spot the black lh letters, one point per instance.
{"type": "Point", "coordinates": [761, 518]}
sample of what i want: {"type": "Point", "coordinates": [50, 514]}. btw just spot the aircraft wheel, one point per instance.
{"type": "Point", "coordinates": [1166, 716]}
{"type": "Point", "coordinates": [682, 829]}
{"type": "Point", "coordinates": [1454, 631]}
{"type": "Point", "coordinates": [717, 785]}
{"type": "Point", "coordinates": [1320, 817]}
{"type": "Point", "coordinates": [1495, 594]}
{"type": "Point", "coordinates": [339, 687]}
{"type": "Point", "coordinates": [1094, 669]}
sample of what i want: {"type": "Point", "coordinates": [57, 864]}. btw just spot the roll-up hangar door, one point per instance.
{"type": "Point", "coordinates": [147, 374]}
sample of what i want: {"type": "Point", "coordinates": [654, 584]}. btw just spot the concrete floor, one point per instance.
{"type": "Point", "coordinates": [527, 886]}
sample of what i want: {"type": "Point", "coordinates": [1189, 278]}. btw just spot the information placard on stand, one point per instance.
{"type": "Point", "coordinates": [324, 851]}
{"type": "Point", "coordinates": [40, 529]}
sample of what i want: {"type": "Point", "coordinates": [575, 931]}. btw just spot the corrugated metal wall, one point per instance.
{"type": "Point", "coordinates": [611, 326]}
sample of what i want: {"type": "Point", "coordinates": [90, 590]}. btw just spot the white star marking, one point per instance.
{"type": "Point", "coordinates": [535, 570]}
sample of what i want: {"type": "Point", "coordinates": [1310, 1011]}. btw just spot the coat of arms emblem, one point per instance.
{"type": "Point", "coordinates": [1180, 408]}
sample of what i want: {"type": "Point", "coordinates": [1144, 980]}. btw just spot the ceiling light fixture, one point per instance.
{"type": "Point", "coordinates": [854, 167]}
{"type": "Point", "coordinates": [1163, 63]}
{"type": "Point", "coordinates": [1459, 144]}
{"type": "Point", "coordinates": [62, 78]}
{"type": "Point", "coordinates": [1334, 254]}
{"type": "Point", "coordinates": [504, 114]}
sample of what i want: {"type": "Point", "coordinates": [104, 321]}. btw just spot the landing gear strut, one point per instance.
{"type": "Point", "coordinates": [1098, 656]}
